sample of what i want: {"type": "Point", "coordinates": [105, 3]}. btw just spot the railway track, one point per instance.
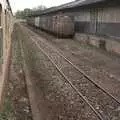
{"type": "Point", "coordinates": [100, 101]}
{"type": "Point", "coordinates": [34, 104]}
{"type": "Point", "coordinates": [49, 47]}
{"type": "Point", "coordinates": [104, 94]}
{"type": "Point", "coordinates": [50, 38]}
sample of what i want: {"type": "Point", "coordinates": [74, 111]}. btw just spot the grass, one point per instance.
{"type": "Point", "coordinates": [7, 111]}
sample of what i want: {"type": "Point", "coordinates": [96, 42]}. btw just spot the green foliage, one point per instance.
{"type": "Point", "coordinates": [7, 112]}
{"type": "Point", "coordinates": [26, 12]}
{"type": "Point", "coordinates": [23, 14]}
{"type": "Point", "coordinates": [40, 8]}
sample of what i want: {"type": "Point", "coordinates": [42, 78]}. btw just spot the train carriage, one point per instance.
{"type": "Point", "coordinates": [6, 27]}
{"type": "Point", "coordinates": [58, 24]}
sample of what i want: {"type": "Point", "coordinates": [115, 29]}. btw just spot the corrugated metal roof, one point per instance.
{"type": "Point", "coordinates": [73, 4]}
{"type": "Point", "coordinates": [78, 3]}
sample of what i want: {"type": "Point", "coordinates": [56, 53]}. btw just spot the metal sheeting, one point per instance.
{"type": "Point", "coordinates": [82, 16]}
{"type": "Point", "coordinates": [102, 15]}
{"type": "Point", "coordinates": [37, 19]}
{"type": "Point", "coordinates": [109, 15]}
{"type": "Point", "coordinates": [67, 6]}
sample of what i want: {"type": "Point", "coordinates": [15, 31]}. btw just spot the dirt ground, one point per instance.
{"type": "Point", "coordinates": [16, 105]}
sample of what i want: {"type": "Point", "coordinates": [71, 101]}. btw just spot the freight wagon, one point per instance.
{"type": "Point", "coordinates": [58, 24]}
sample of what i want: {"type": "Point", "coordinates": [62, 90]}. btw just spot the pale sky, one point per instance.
{"type": "Point", "coordinates": [21, 4]}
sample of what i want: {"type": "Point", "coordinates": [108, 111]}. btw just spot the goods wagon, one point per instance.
{"type": "Point", "coordinates": [60, 25]}
{"type": "Point", "coordinates": [63, 25]}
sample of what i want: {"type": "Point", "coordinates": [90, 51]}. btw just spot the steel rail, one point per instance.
{"type": "Point", "coordinates": [82, 72]}
{"type": "Point", "coordinates": [70, 83]}
{"type": "Point", "coordinates": [87, 76]}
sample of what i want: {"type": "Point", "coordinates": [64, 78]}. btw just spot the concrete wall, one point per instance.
{"type": "Point", "coordinates": [108, 44]}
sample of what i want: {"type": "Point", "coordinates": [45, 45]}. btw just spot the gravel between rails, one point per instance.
{"type": "Point", "coordinates": [97, 58]}
{"type": "Point", "coordinates": [60, 101]}
{"type": "Point", "coordinates": [102, 102]}
{"type": "Point", "coordinates": [103, 67]}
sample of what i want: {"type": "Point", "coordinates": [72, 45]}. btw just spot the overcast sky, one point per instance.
{"type": "Point", "coordinates": [21, 4]}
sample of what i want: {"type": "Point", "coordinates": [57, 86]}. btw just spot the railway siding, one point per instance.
{"type": "Point", "coordinates": [89, 60]}
{"type": "Point", "coordinates": [102, 102]}
{"type": "Point", "coordinates": [59, 98]}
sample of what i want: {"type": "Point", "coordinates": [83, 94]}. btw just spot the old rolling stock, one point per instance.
{"type": "Point", "coordinates": [58, 24]}
{"type": "Point", "coordinates": [6, 25]}
{"type": "Point", "coordinates": [63, 25]}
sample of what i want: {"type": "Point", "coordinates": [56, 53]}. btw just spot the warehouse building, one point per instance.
{"type": "Point", "coordinates": [96, 22]}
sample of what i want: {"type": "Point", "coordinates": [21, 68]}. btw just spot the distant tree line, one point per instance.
{"type": "Point", "coordinates": [26, 12]}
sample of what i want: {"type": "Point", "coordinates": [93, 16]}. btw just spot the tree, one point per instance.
{"type": "Point", "coordinates": [26, 12]}
{"type": "Point", "coordinates": [18, 14]}
{"type": "Point", "coordinates": [40, 8]}
{"type": "Point", "coordinates": [23, 14]}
